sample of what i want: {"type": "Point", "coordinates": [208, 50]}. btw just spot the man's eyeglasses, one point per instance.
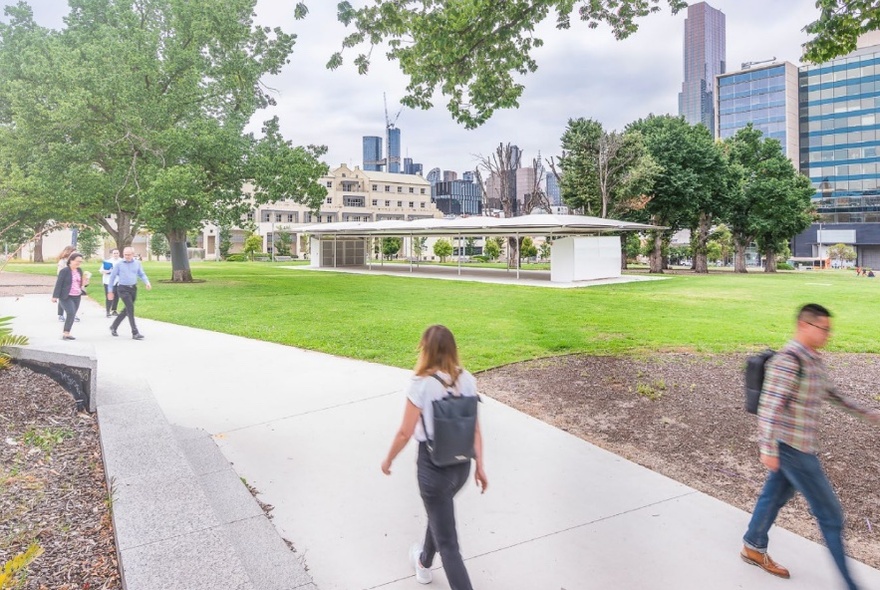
{"type": "Point", "coordinates": [825, 329]}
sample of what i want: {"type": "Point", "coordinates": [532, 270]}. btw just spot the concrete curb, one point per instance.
{"type": "Point", "coordinates": [73, 365]}
{"type": "Point", "coordinates": [182, 518]}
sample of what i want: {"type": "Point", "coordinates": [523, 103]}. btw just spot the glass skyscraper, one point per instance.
{"type": "Point", "coordinates": [766, 97]}
{"type": "Point", "coordinates": [705, 49]}
{"type": "Point", "coordinates": [839, 149]}
{"type": "Point", "coordinates": [373, 153]}
{"type": "Point", "coordinates": [394, 150]}
{"type": "Point", "coordinates": [458, 197]}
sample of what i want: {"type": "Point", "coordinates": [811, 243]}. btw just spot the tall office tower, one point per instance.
{"type": "Point", "coordinates": [435, 176]}
{"type": "Point", "coordinates": [458, 197]}
{"type": "Point", "coordinates": [450, 175]}
{"type": "Point", "coordinates": [407, 166]}
{"type": "Point", "coordinates": [394, 150]}
{"type": "Point", "coordinates": [553, 192]}
{"type": "Point", "coordinates": [373, 153]}
{"type": "Point", "coordinates": [468, 176]}
{"type": "Point", "coordinates": [765, 96]}
{"type": "Point", "coordinates": [417, 168]}
{"type": "Point", "coordinates": [840, 151]}
{"type": "Point", "coordinates": [704, 58]}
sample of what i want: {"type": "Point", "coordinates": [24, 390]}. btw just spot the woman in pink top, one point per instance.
{"type": "Point", "coordinates": [69, 288]}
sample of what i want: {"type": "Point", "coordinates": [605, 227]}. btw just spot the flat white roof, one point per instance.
{"type": "Point", "coordinates": [542, 224]}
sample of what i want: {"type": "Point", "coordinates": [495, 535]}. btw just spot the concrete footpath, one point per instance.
{"type": "Point", "coordinates": [309, 431]}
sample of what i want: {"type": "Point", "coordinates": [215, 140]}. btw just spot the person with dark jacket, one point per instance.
{"type": "Point", "coordinates": [69, 288]}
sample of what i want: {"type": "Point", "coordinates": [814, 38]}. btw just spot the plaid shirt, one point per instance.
{"type": "Point", "coordinates": [791, 404]}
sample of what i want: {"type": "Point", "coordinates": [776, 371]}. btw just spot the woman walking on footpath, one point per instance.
{"type": "Point", "coordinates": [62, 264]}
{"type": "Point", "coordinates": [69, 288]}
{"type": "Point", "coordinates": [437, 372]}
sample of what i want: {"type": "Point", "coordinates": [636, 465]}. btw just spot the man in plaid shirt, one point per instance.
{"type": "Point", "coordinates": [795, 385]}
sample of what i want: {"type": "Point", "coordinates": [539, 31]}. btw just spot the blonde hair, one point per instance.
{"type": "Point", "coordinates": [65, 253]}
{"type": "Point", "coordinates": [438, 352]}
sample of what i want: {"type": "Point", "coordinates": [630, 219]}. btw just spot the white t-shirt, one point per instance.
{"type": "Point", "coordinates": [424, 390]}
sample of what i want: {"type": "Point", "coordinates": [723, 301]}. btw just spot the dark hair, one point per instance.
{"type": "Point", "coordinates": [811, 311]}
{"type": "Point", "coordinates": [72, 256]}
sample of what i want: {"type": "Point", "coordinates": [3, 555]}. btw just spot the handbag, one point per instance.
{"type": "Point", "coordinates": [455, 426]}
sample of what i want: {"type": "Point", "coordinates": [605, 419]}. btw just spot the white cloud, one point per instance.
{"type": "Point", "coordinates": [582, 73]}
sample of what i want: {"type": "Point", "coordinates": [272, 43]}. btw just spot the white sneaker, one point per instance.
{"type": "Point", "coordinates": [423, 574]}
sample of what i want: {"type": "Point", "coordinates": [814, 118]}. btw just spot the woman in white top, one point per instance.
{"type": "Point", "coordinates": [438, 355]}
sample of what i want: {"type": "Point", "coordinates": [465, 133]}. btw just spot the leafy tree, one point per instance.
{"type": "Point", "coordinates": [842, 253]}
{"type": "Point", "coordinates": [224, 236]}
{"type": "Point", "coordinates": [492, 249]}
{"type": "Point", "coordinates": [687, 191]}
{"type": "Point", "coordinates": [88, 240]}
{"type": "Point", "coordinates": [723, 237]}
{"type": "Point", "coordinates": [253, 244]}
{"type": "Point", "coordinates": [140, 109]}
{"type": "Point", "coordinates": [159, 246]}
{"type": "Point", "coordinates": [527, 248]}
{"type": "Point", "coordinates": [631, 244]}
{"type": "Point", "coordinates": [713, 251]}
{"type": "Point", "coordinates": [838, 27]}
{"type": "Point", "coordinates": [419, 245]}
{"type": "Point", "coordinates": [678, 254]}
{"type": "Point", "coordinates": [600, 170]}
{"type": "Point", "coordinates": [283, 241]}
{"type": "Point", "coordinates": [771, 202]}
{"type": "Point", "coordinates": [470, 247]}
{"type": "Point", "coordinates": [545, 249]}
{"type": "Point", "coordinates": [391, 246]}
{"type": "Point", "coordinates": [442, 249]}
{"type": "Point", "coordinates": [472, 51]}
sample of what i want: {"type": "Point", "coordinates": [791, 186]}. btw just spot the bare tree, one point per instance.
{"type": "Point", "coordinates": [537, 197]}
{"type": "Point", "coordinates": [499, 187]}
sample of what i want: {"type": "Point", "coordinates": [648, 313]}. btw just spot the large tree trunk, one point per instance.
{"type": "Point", "coordinates": [122, 232]}
{"type": "Point", "coordinates": [180, 271]}
{"type": "Point", "coordinates": [771, 261]}
{"type": "Point", "coordinates": [38, 242]}
{"type": "Point", "coordinates": [512, 252]}
{"type": "Point", "coordinates": [739, 257]}
{"type": "Point", "coordinates": [701, 250]}
{"type": "Point", "coordinates": [656, 258]}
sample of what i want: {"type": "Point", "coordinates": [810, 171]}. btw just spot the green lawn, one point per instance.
{"type": "Point", "coordinates": [380, 318]}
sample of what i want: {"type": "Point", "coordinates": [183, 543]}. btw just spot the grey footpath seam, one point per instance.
{"type": "Point", "coordinates": [182, 518]}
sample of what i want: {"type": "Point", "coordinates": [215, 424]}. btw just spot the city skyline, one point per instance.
{"type": "Point", "coordinates": [582, 73]}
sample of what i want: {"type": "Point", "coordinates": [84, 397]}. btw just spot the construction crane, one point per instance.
{"type": "Point", "coordinates": [389, 125]}
{"type": "Point", "coordinates": [747, 64]}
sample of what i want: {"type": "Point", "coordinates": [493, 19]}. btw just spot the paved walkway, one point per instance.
{"type": "Point", "coordinates": [309, 431]}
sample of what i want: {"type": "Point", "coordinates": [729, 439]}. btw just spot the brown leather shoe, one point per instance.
{"type": "Point", "coordinates": [763, 561]}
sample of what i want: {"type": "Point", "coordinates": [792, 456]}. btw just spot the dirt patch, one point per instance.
{"type": "Point", "coordinates": [682, 415]}
{"type": "Point", "coordinates": [52, 487]}
{"type": "Point", "coordinates": [15, 284]}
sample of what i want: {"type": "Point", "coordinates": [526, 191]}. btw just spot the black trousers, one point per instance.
{"type": "Point", "coordinates": [438, 486]}
{"type": "Point", "coordinates": [70, 307]}
{"type": "Point", "coordinates": [128, 294]}
{"type": "Point", "coordinates": [111, 305]}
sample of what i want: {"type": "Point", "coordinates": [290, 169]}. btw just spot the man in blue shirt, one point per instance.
{"type": "Point", "coordinates": [125, 274]}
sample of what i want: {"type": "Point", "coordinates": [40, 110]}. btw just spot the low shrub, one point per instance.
{"type": "Point", "coordinates": [236, 258]}
{"type": "Point", "coordinates": [784, 266]}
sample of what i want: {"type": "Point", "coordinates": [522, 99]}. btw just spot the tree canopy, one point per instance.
{"type": "Point", "coordinates": [838, 27]}
{"type": "Point", "coordinates": [137, 109]}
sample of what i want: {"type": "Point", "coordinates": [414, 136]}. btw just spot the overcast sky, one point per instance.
{"type": "Point", "coordinates": [581, 73]}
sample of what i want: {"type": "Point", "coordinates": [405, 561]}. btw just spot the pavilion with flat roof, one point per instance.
{"type": "Point", "coordinates": [582, 251]}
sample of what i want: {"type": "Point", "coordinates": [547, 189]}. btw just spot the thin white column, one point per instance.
{"type": "Point", "coordinates": [518, 257]}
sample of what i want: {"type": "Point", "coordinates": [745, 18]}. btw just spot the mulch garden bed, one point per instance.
{"type": "Point", "coordinates": [681, 415]}
{"type": "Point", "coordinates": [52, 487]}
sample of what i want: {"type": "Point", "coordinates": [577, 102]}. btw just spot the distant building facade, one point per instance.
{"type": "Point", "coordinates": [393, 150]}
{"type": "Point", "coordinates": [458, 197]}
{"type": "Point", "coordinates": [553, 192]}
{"type": "Point", "coordinates": [705, 50]}
{"type": "Point", "coordinates": [839, 149]}
{"type": "Point", "coordinates": [373, 160]}
{"type": "Point", "coordinates": [352, 195]}
{"type": "Point", "coordinates": [766, 97]}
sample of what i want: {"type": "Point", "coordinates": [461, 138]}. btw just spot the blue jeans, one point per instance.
{"type": "Point", "coordinates": [438, 486]}
{"type": "Point", "coordinates": [803, 473]}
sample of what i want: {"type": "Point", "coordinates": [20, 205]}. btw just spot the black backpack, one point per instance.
{"type": "Point", "coordinates": [455, 424]}
{"type": "Point", "coordinates": [755, 366]}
